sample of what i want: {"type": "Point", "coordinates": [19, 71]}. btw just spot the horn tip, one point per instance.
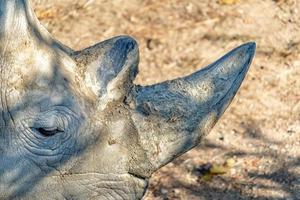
{"type": "Point", "coordinates": [245, 54]}
{"type": "Point", "coordinates": [250, 46]}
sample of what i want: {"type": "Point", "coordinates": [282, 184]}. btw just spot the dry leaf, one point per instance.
{"type": "Point", "coordinates": [228, 2]}
{"type": "Point", "coordinates": [218, 169]}
{"type": "Point", "coordinates": [46, 13]}
{"type": "Point", "coordinates": [208, 170]}
{"type": "Point", "coordinates": [230, 162]}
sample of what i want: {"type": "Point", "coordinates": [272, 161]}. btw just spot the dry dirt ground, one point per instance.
{"type": "Point", "coordinates": [259, 133]}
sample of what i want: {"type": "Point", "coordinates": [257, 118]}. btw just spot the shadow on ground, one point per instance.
{"type": "Point", "coordinates": [245, 180]}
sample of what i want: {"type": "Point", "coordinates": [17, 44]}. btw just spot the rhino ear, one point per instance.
{"type": "Point", "coordinates": [109, 68]}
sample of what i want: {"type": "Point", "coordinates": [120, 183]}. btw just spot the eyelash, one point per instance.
{"type": "Point", "coordinates": [47, 133]}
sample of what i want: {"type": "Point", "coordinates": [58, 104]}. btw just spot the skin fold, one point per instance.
{"type": "Point", "coordinates": [73, 124]}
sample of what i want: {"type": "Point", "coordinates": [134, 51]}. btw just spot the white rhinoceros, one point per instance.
{"type": "Point", "coordinates": [73, 124]}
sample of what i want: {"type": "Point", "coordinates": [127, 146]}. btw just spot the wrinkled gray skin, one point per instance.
{"type": "Point", "coordinates": [74, 126]}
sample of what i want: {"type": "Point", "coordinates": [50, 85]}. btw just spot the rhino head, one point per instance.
{"type": "Point", "coordinates": [73, 124]}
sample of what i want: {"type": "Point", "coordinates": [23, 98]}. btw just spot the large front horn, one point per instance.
{"type": "Point", "coordinates": [171, 117]}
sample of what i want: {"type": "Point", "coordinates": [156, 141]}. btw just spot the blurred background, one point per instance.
{"type": "Point", "coordinates": [254, 151]}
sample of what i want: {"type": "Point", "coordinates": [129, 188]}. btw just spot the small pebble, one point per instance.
{"type": "Point", "coordinates": [163, 191]}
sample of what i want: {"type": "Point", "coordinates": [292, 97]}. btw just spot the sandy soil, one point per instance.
{"type": "Point", "coordinates": [260, 133]}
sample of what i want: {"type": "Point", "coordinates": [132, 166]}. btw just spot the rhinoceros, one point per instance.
{"type": "Point", "coordinates": [75, 126]}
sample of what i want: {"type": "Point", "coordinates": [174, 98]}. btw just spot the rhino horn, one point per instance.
{"type": "Point", "coordinates": [172, 117]}
{"type": "Point", "coordinates": [19, 24]}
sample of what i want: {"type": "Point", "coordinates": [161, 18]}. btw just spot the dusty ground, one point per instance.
{"type": "Point", "coordinates": [260, 133]}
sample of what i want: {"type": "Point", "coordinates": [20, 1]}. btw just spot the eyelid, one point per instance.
{"type": "Point", "coordinates": [50, 121]}
{"type": "Point", "coordinates": [45, 132]}
{"type": "Point", "coordinates": [52, 128]}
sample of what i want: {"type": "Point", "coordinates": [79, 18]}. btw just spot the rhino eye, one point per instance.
{"type": "Point", "coordinates": [47, 132]}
